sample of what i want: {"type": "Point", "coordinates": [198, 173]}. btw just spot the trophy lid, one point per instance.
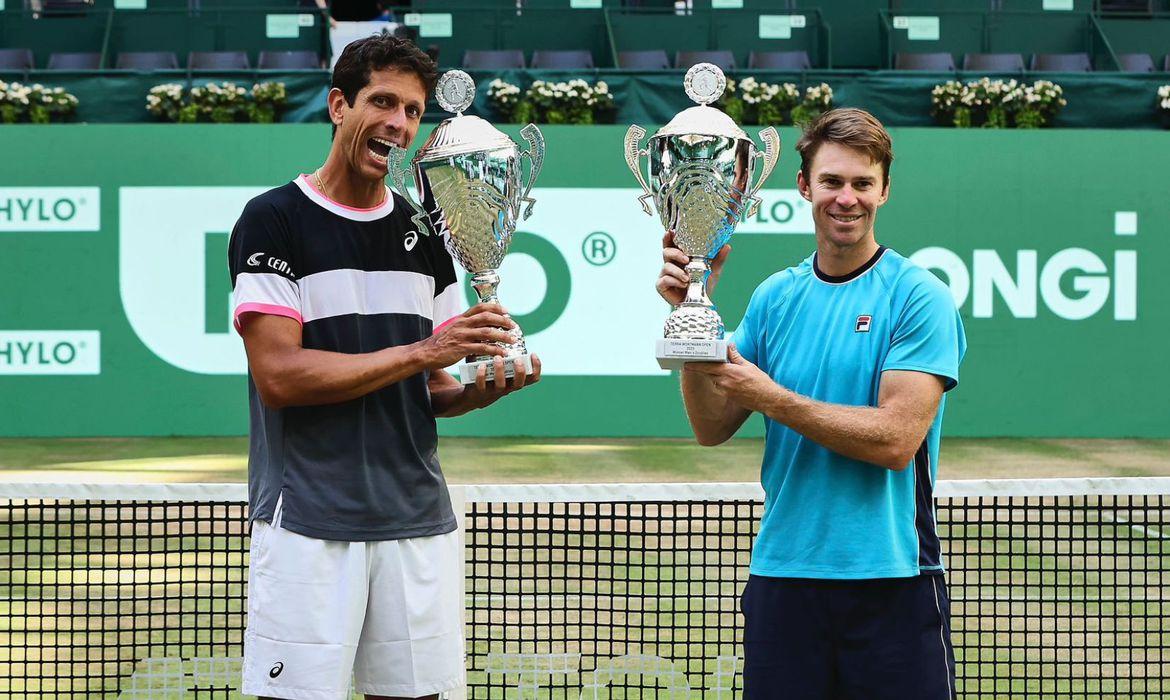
{"type": "Point", "coordinates": [460, 134]}
{"type": "Point", "coordinates": [704, 83]}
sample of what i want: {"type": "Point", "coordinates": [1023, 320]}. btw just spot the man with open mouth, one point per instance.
{"type": "Point", "coordinates": [349, 317]}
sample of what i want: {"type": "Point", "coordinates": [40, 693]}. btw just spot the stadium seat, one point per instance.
{"type": "Point", "coordinates": [218, 60]}
{"type": "Point", "coordinates": [75, 61]}
{"type": "Point", "coordinates": [147, 60]}
{"type": "Point", "coordinates": [643, 60]}
{"type": "Point", "coordinates": [567, 60]}
{"type": "Point", "coordinates": [779, 60]}
{"type": "Point", "coordinates": [502, 59]}
{"type": "Point", "coordinates": [724, 59]}
{"type": "Point", "coordinates": [938, 62]}
{"type": "Point", "coordinates": [994, 62]}
{"type": "Point", "coordinates": [288, 60]}
{"type": "Point", "coordinates": [1135, 63]}
{"type": "Point", "coordinates": [1062, 62]}
{"type": "Point", "coordinates": [16, 59]}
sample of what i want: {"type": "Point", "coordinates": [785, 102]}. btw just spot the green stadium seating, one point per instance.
{"type": "Point", "coordinates": [856, 30]}
{"type": "Point", "coordinates": [47, 35]}
{"type": "Point", "coordinates": [645, 30]}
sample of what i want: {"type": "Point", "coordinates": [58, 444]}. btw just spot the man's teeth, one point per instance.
{"type": "Point", "coordinates": [846, 219]}
{"type": "Point", "coordinates": [377, 156]}
{"type": "Point", "coordinates": [384, 142]}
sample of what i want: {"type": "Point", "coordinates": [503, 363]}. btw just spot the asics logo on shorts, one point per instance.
{"type": "Point", "coordinates": [275, 670]}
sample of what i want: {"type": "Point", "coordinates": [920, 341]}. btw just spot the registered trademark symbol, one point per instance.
{"type": "Point", "coordinates": [599, 248]}
{"type": "Point", "coordinates": [81, 201]}
{"type": "Point", "coordinates": [81, 345]}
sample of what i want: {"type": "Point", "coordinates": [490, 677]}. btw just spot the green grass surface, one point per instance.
{"type": "Point", "coordinates": [517, 460]}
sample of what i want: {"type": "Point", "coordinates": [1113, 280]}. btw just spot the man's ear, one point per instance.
{"type": "Point", "coordinates": [803, 185]}
{"type": "Point", "coordinates": [336, 103]}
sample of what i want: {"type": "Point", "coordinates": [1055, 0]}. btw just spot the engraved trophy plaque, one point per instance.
{"type": "Point", "coordinates": [468, 176]}
{"type": "Point", "coordinates": [699, 174]}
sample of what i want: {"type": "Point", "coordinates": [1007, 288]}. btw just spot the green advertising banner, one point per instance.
{"type": "Point", "coordinates": [116, 299]}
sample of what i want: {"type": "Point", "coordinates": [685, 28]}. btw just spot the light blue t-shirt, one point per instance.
{"type": "Point", "coordinates": [827, 516]}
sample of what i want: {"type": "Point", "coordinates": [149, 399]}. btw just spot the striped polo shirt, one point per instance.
{"type": "Point", "coordinates": [358, 281]}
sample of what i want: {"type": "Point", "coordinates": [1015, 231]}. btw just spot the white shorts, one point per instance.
{"type": "Point", "coordinates": [386, 614]}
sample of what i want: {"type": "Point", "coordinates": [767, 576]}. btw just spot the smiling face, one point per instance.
{"type": "Point", "coordinates": [846, 188]}
{"type": "Point", "coordinates": [386, 111]}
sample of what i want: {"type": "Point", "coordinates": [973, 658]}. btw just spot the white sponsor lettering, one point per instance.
{"type": "Point", "coordinates": [254, 259]}
{"type": "Point", "coordinates": [781, 211]}
{"type": "Point", "coordinates": [50, 208]}
{"type": "Point", "coordinates": [989, 276]}
{"type": "Point", "coordinates": [165, 303]}
{"type": "Point", "coordinates": [50, 352]}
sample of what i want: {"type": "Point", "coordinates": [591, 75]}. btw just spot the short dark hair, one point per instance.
{"type": "Point", "coordinates": [854, 128]}
{"type": "Point", "coordinates": [378, 52]}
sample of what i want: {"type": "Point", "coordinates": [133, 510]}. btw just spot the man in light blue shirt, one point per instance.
{"type": "Point", "coordinates": [847, 355]}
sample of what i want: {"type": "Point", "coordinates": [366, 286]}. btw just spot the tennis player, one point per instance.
{"type": "Point", "coordinates": [349, 318]}
{"type": "Point", "coordinates": [847, 356]}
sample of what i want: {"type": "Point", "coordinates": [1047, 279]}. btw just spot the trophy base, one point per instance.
{"type": "Point", "coordinates": [673, 353]}
{"type": "Point", "coordinates": [468, 370]}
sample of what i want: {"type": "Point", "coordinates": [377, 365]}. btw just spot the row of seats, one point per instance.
{"type": "Point", "coordinates": [1014, 62]}
{"type": "Point", "coordinates": [509, 59]}
{"type": "Point", "coordinates": [22, 60]}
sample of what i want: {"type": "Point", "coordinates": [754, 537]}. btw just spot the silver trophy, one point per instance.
{"type": "Point", "coordinates": [468, 176]}
{"type": "Point", "coordinates": [700, 171]}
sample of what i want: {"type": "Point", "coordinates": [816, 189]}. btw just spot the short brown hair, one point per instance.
{"type": "Point", "coordinates": [854, 128]}
{"type": "Point", "coordinates": [379, 52]}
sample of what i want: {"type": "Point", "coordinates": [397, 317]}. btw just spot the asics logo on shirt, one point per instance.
{"type": "Point", "coordinates": [411, 240]}
{"type": "Point", "coordinates": [275, 670]}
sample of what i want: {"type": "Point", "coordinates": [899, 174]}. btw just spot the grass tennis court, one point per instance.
{"type": "Point", "coordinates": [527, 460]}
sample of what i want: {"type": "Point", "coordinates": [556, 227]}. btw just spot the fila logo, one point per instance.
{"type": "Point", "coordinates": [276, 670]}
{"type": "Point", "coordinates": [411, 240]}
{"type": "Point", "coordinates": [254, 259]}
{"type": "Point", "coordinates": [863, 323]}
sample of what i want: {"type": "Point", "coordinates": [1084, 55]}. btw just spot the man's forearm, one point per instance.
{"type": "Point", "coordinates": [867, 433]}
{"type": "Point", "coordinates": [714, 419]}
{"type": "Point", "coordinates": [303, 377]}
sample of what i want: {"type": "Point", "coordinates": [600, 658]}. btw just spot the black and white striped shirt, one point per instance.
{"type": "Point", "coordinates": [358, 281]}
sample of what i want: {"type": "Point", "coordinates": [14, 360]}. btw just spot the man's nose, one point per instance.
{"type": "Point", "coordinates": [846, 198]}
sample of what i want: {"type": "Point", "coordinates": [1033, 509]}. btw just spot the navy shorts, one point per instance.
{"type": "Point", "coordinates": [818, 639]}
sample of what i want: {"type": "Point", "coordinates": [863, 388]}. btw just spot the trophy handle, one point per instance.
{"type": "Point", "coordinates": [633, 139]}
{"type": "Point", "coordinates": [771, 155]}
{"type": "Point", "coordinates": [396, 167]}
{"type": "Point", "coordinates": [535, 154]}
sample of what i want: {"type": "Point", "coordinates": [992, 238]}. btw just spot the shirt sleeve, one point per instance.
{"type": "Point", "coordinates": [928, 335]}
{"type": "Point", "coordinates": [262, 266]}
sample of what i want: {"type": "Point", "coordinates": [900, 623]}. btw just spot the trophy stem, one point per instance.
{"type": "Point", "coordinates": [699, 270]}
{"type": "Point", "coordinates": [484, 283]}
{"type": "Point", "coordinates": [695, 318]}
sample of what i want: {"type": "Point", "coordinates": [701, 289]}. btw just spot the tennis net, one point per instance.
{"type": "Point", "coordinates": [138, 592]}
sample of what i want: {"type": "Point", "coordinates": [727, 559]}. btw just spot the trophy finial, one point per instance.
{"type": "Point", "coordinates": [704, 83]}
{"type": "Point", "coordinates": [455, 91]}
